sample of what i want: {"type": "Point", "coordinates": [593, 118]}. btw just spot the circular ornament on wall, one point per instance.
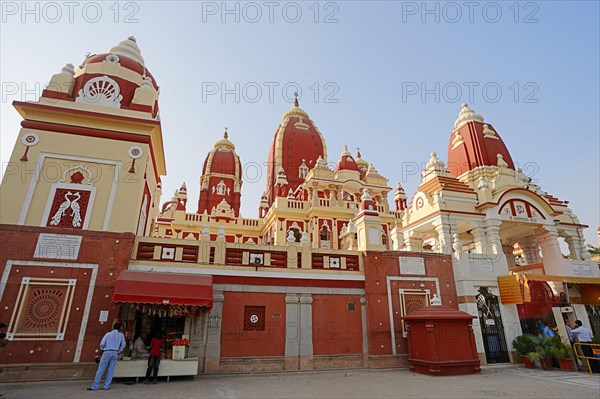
{"type": "Point", "coordinates": [30, 139]}
{"type": "Point", "coordinates": [135, 152]}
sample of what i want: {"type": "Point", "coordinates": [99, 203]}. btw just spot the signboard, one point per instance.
{"type": "Point", "coordinates": [412, 265]}
{"type": "Point", "coordinates": [481, 265]}
{"type": "Point", "coordinates": [57, 246]}
{"type": "Point", "coordinates": [103, 316]}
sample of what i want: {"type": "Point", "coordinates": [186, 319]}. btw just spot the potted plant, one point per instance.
{"type": "Point", "coordinates": [524, 345]}
{"type": "Point", "coordinates": [547, 352]}
{"type": "Point", "coordinates": [533, 357]}
{"type": "Point", "coordinates": [563, 352]}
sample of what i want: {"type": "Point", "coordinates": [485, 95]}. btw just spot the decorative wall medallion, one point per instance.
{"type": "Point", "coordinates": [102, 91]}
{"type": "Point", "coordinates": [419, 202]}
{"type": "Point", "coordinates": [29, 140]}
{"type": "Point", "coordinates": [112, 59]}
{"type": "Point", "coordinates": [168, 253]}
{"type": "Point", "coordinates": [254, 318]}
{"type": "Point", "coordinates": [135, 152]}
{"type": "Point", "coordinates": [257, 259]}
{"type": "Point", "coordinates": [42, 309]}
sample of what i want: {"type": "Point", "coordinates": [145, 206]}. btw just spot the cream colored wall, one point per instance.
{"type": "Point", "coordinates": [129, 187]}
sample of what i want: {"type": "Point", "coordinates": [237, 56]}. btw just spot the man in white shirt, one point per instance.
{"type": "Point", "coordinates": [112, 346]}
{"type": "Point", "coordinates": [584, 336]}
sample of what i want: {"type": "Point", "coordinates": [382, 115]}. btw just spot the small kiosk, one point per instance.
{"type": "Point", "coordinates": [152, 303]}
{"type": "Point", "coordinates": [441, 341]}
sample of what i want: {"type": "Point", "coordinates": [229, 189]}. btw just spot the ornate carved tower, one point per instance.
{"type": "Point", "coordinates": [90, 153]}
{"type": "Point", "coordinates": [221, 181]}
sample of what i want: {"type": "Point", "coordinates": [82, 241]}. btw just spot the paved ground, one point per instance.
{"type": "Point", "coordinates": [501, 382]}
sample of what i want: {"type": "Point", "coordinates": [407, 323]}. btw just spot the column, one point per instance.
{"type": "Point", "coordinates": [397, 239]}
{"type": "Point", "coordinates": [492, 234]}
{"type": "Point", "coordinates": [332, 196]}
{"type": "Point", "coordinates": [305, 332]}
{"type": "Point", "coordinates": [338, 194]}
{"type": "Point", "coordinates": [444, 238]}
{"type": "Point", "coordinates": [554, 264]}
{"type": "Point", "coordinates": [574, 249]}
{"type": "Point", "coordinates": [292, 332]}
{"type": "Point", "coordinates": [386, 204]}
{"type": "Point", "coordinates": [363, 315]}
{"type": "Point", "coordinates": [531, 250]}
{"type": "Point", "coordinates": [493, 249]}
{"type": "Point", "coordinates": [335, 235]}
{"type": "Point", "coordinates": [479, 238]}
{"type": "Point", "coordinates": [212, 356]}
{"type": "Point", "coordinates": [413, 241]}
{"type": "Point", "coordinates": [508, 253]}
{"type": "Point", "coordinates": [315, 196]}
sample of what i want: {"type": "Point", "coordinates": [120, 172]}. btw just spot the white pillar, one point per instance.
{"type": "Point", "coordinates": [554, 263]}
{"type": "Point", "coordinates": [479, 238]}
{"type": "Point", "coordinates": [444, 237]}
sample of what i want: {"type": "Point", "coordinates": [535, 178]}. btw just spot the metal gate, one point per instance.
{"type": "Point", "coordinates": [593, 312]}
{"type": "Point", "coordinates": [492, 329]}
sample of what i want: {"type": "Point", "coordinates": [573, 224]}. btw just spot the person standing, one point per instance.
{"type": "Point", "coordinates": [569, 331]}
{"type": "Point", "coordinates": [112, 346]}
{"type": "Point", "coordinates": [584, 336]}
{"type": "Point", "coordinates": [154, 358]}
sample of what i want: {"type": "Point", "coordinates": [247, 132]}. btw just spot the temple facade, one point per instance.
{"type": "Point", "coordinates": [321, 278]}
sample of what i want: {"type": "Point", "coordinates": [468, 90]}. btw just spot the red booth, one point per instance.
{"type": "Point", "coordinates": [441, 342]}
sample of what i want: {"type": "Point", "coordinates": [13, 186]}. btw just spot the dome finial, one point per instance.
{"type": "Point", "coordinates": [466, 114]}
{"type": "Point", "coordinates": [296, 103]}
{"type": "Point", "coordinates": [225, 135]}
{"type": "Point", "coordinates": [128, 48]}
{"type": "Point", "coordinates": [358, 152]}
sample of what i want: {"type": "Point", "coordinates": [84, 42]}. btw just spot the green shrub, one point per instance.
{"type": "Point", "coordinates": [526, 343]}
{"type": "Point", "coordinates": [535, 356]}
{"type": "Point", "coordinates": [555, 347]}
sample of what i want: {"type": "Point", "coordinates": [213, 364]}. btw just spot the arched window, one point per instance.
{"type": "Point", "coordinates": [324, 234]}
{"type": "Point", "coordinates": [221, 188]}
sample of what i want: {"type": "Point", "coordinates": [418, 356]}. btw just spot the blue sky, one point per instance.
{"type": "Point", "coordinates": [362, 68]}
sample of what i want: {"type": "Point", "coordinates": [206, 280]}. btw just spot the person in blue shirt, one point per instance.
{"type": "Point", "coordinates": [112, 346]}
{"type": "Point", "coordinates": [545, 331]}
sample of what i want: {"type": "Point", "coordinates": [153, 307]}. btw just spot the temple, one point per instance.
{"type": "Point", "coordinates": [321, 278]}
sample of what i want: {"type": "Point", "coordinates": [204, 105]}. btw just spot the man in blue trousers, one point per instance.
{"type": "Point", "coordinates": [112, 346]}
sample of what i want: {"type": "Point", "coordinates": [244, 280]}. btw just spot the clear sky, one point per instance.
{"type": "Point", "coordinates": [388, 77]}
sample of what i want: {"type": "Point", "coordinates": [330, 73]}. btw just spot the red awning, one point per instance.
{"type": "Point", "coordinates": [164, 288]}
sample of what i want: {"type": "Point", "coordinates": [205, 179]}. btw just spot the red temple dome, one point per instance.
{"type": "Point", "coordinates": [297, 144]}
{"type": "Point", "coordinates": [117, 79]}
{"type": "Point", "coordinates": [347, 162]}
{"type": "Point", "coordinates": [221, 177]}
{"type": "Point", "coordinates": [474, 143]}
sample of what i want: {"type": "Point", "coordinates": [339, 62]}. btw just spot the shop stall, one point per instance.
{"type": "Point", "coordinates": [160, 303]}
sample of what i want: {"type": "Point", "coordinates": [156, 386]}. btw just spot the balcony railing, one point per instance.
{"type": "Point", "coordinates": [204, 253]}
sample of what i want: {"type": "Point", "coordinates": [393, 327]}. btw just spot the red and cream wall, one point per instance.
{"type": "Point", "coordinates": [397, 283]}
{"type": "Point", "coordinates": [294, 323]}
{"type": "Point", "coordinates": [101, 177]}
{"type": "Point", "coordinates": [55, 290]}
